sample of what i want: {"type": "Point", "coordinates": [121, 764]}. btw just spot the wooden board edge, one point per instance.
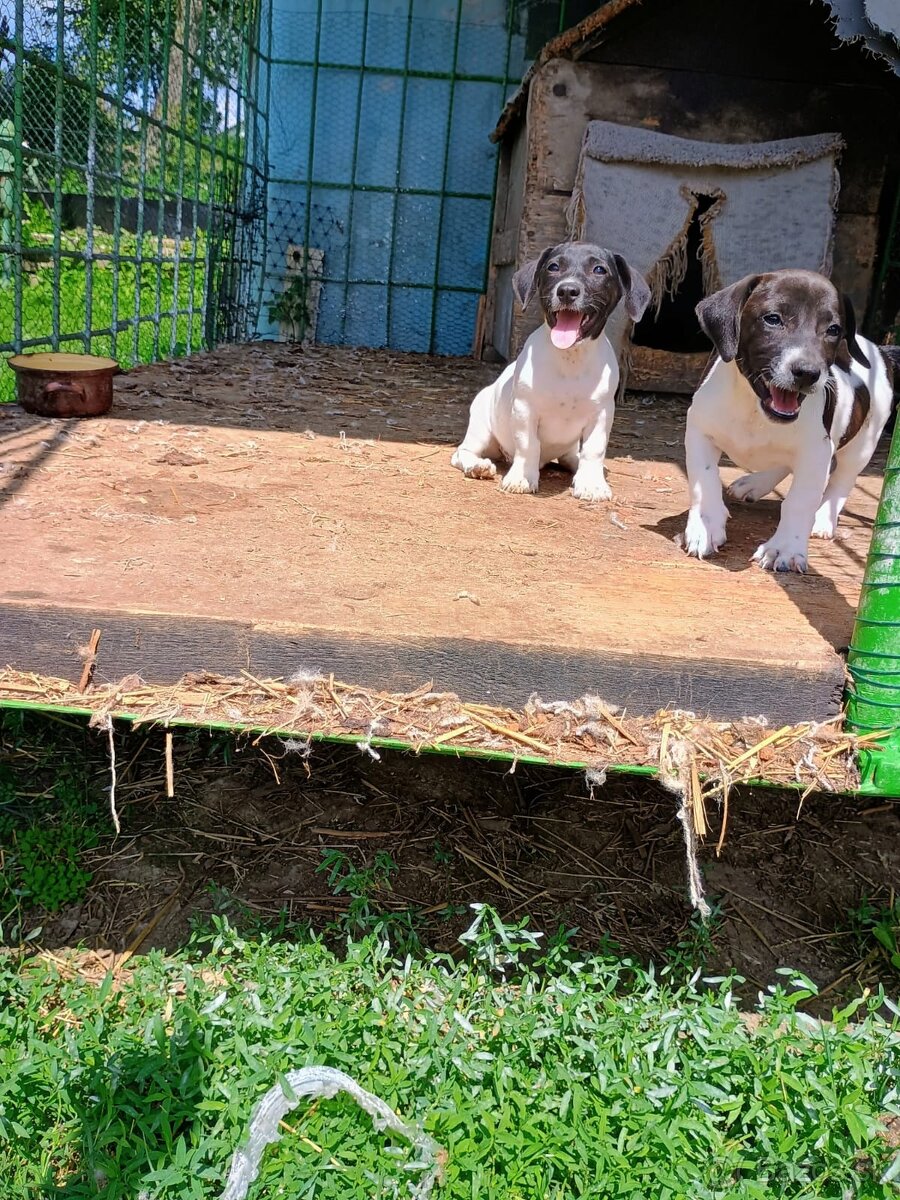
{"type": "Point", "coordinates": [162, 649]}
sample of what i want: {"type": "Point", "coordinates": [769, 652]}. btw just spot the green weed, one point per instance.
{"type": "Point", "coordinates": [49, 814]}
{"type": "Point", "coordinates": [877, 931]}
{"type": "Point", "coordinates": [369, 910]}
{"type": "Point", "coordinates": [543, 1074]}
{"type": "Point", "coordinates": [696, 944]}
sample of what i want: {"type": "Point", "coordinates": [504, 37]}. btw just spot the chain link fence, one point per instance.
{"type": "Point", "coordinates": [132, 176]}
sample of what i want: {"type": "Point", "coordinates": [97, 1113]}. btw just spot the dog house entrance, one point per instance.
{"type": "Point", "coordinates": [672, 323]}
{"type": "Point", "coordinates": [695, 216]}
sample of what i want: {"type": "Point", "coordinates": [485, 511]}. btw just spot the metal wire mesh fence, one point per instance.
{"type": "Point", "coordinates": [132, 176]}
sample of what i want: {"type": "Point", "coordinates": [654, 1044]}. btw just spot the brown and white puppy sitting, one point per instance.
{"type": "Point", "coordinates": [557, 400]}
{"type": "Point", "coordinates": [793, 386]}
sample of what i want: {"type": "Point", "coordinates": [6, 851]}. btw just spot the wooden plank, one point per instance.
{"type": "Point", "coordinates": [503, 247]}
{"type": "Point", "coordinates": [562, 100]}
{"type": "Point", "coordinates": [478, 334]}
{"type": "Point", "coordinates": [504, 311]}
{"type": "Point", "coordinates": [310, 520]}
{"type": "Point", "coordinates": [47, 639]}
{"type": "Point", "coordinates": [161, 649]}
{"type": "Point", "coordinates": [855, 253]}
{"type": "Point", "coordinates": [507, 220]}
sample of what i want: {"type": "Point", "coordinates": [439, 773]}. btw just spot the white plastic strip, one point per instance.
{"type": "Point", "coordinates": [326, 1082]}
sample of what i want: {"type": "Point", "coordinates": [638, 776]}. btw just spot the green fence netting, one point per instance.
{"type": "Point", "coordinates": [132, 176]}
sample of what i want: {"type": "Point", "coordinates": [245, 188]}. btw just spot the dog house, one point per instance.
{"type": "Point", "coordinates": [703, 141]}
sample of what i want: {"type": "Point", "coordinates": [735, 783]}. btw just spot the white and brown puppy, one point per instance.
{"type": "Point", "coordinates": [792, 388]}
{"type": "Point", "coordinates": [556, 401]}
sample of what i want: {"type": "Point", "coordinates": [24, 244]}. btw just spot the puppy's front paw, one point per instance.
{"type": "Point", "coordinates": [472, 466]}
{"type": "Point", "coordinates": [591, 486]}
{"type": "Point", "coordinates": [750, 488]}
{"type": "Point", "coordinates": [482, 469]}
{"type": "Point", "coordinates": [825, 523]}
{"type": "Point", "coordinates": [781, 553]}
{"type": "Point", "coordinates": [516, 481]}
{"type": "Point", "coordinates": [704, 533]}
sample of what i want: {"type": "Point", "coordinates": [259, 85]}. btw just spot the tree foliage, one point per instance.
{"type": "Point", "coordinates": [174, 56]}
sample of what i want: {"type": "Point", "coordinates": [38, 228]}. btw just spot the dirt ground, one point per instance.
{"type": "Point", "coordinates": [251, 832]}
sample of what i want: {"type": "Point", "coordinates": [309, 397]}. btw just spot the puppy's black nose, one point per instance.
{"type": "Point", "coordinates": [805, 374]}
{"type": "Point", "coordinates": [568, 293]}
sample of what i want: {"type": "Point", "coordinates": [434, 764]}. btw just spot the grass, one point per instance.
{"type": "Point", "coordinates": [876, 929]}
{"type": "Point", "coordinates": [43, 838]}
{"type": "Point", "coordinates": [544, 1072]}
{"type": "Point", "coordinates": [366, 888]}
{"type": "Point", "coordinates": [119, 292]}
{"type": "Point", "coordinates": [50, 812]}
{"type": "Point", "coordinates": [542, 1075]}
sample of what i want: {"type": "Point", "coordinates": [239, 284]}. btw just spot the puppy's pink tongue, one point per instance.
{"type": "Point", "coordinates": [565, 332]}
{"type": "Point", "coordinates": [784, 402]}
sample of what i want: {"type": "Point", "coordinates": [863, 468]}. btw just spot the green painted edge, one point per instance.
{"type": "Point", "coordinates": [347, 739]}
{"type": "Point", "coordinates": [868, 759]}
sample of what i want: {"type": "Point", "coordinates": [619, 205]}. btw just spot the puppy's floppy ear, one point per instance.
{"type": "Point", "coordinates": [525, 279]}
{"type": "Point", "coordinates": [720, 315]}
{"type": "Point", "coordinates": [635, 288]}
{"type": "Point", "coordinates": [850, 331]}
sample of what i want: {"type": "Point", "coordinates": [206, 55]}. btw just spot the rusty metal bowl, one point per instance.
{"type": "Point", "coordinates": [64, 385]}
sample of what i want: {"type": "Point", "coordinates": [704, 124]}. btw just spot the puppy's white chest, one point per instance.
{"type": "Point", "coordinates": [563, 387]}
{"type": "Point", "coordinates": [562, 401]}
{"type": "Point", "coordinates": [754, 442]}
{"type": "Point", "coordinates": [731, 416]}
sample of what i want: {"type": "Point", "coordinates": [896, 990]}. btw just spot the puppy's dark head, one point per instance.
{"type": "Point", "coordinates": [783, 330]}
{"type": "Point", "coordinates": [579, 285]}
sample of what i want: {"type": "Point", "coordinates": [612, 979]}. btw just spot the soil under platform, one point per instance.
{"type": "Point", "coordinates": [348, 844]}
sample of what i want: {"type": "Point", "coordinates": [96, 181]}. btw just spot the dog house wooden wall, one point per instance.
{"type": "Point", "coordinates": [743, 72]}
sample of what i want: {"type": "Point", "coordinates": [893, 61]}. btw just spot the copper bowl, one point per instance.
{"type": "Point", "coordinates": [64, 385]}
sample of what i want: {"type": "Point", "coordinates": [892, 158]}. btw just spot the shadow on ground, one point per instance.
{"type": "Point", "coordinates": [405, 845]}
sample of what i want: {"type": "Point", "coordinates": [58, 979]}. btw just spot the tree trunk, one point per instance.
{"type": "Point", "coordinates": [182, 52]}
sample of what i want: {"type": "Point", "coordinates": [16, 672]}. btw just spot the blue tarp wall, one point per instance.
{"type": "Point", "coordinates": [378, 156]}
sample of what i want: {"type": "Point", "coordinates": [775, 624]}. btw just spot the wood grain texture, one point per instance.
{"type": "Point", "coordinates": [218, 520]}
{"type": "Point", "coordinates": [665, 371]}
{"type": "Point", "coordinates": [162, 648]}
{"type": "Point", "coordinates": [702, 108]}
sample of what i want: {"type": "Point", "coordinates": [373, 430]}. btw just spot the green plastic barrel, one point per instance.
{"type": "Point", "coordinates": [873, 698]}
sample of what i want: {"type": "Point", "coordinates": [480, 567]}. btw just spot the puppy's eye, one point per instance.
{"type": "Point", "coordinates": [600, 269]}
{"type": "Point", "coordinates": [552, 266]}
{"type": "Point", "coordinates": [772, 320]}
{"type": "Point", "coordinates": [833, 331]}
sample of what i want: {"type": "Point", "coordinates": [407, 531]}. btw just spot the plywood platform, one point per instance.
{"type": "Point", "coordinates": [274, 510]}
